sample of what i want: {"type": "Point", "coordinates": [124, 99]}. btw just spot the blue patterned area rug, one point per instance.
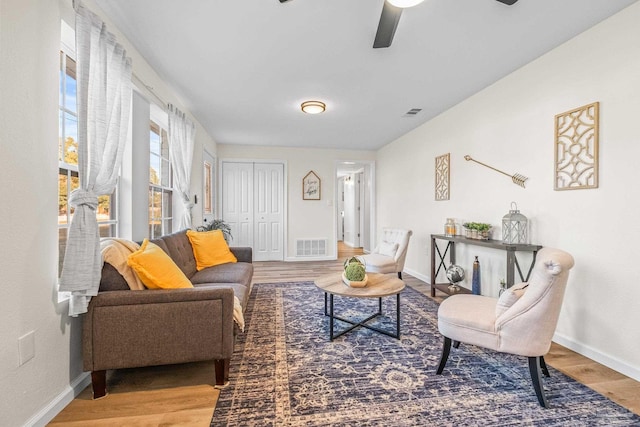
{"type": "Point", "coordinates": [286, 372]}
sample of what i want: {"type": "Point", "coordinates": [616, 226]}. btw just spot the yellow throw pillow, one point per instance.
{"type": "Point", "coordinates": [210, 248]}
{"type": "Point", "coordinates": [156, 269]}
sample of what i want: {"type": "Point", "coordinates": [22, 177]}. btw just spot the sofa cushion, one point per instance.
{"type": "Point", "coordinates": [111, 280]}
{"type": "Point", "coordinates": [179, 249]}
{"type": "Point", "coordinates": [156, 269]}
{"type": "Point", "coordinates": [210, 248]}
{"type": "Point", "coordinates": [242, 253]}
{"type": "Point", "coordinates": [159, 242]}
{"type": "Point", "coordinates": [115, 251]}
{"type": "Point", "coordinates": [377, 263]}
{"type": "Point", "coordinates": [239, 290]}
{"type": "Point", "coordinates": [240, 272]}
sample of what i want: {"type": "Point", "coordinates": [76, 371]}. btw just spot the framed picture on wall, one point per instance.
{"type": "Point", "coordinates": [442, 176]}
{"type": "Point", "coordinates": [208, 187]}
{"type": "Point", "coordinates": [207, 208]}
{"type": "Point", "coordinates": [311, 186]}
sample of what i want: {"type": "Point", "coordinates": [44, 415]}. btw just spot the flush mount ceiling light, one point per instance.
{"type": "Point", "coordinates": [313, 107]}
{"type": "Point", "coordinates": [404, 3]}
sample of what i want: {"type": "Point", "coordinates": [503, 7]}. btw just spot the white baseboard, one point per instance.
{"type": "Point", "coordinates": [309, 258]}
{"type": "Point", "coordinates": [417, 275]}
{"type": "Point", "coordinates": [597, 356]}
{"type": "Point", "coordinates": [46, 414]}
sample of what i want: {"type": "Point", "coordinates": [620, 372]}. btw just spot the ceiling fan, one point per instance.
{"type": "Point", "coordinates": [391, 12]}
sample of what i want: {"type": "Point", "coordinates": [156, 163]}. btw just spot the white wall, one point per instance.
{"type": "Point", "coordinates": [510, 125]}
{"type": "Point", "coordinates": [29, 45]}
{"type": "Point", "coordinates": [307, 219]}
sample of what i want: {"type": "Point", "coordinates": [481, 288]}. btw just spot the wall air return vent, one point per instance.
{"type": "Point", "coordinates": [311, 247]}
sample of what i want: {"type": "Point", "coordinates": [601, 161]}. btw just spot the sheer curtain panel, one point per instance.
{"type": "Point", "coordinates": [182, 133]}
{"type": "Point", "coordinates": [104, 104]}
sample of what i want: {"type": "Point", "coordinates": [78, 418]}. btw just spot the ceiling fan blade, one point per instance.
{"type": "Point", "coordinates": [508, 2]}
{"type": "Point", "coordinates": [387, 26]}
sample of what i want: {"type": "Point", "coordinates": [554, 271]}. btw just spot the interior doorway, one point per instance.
{"type": "Point", "coordinates": [355, 204]}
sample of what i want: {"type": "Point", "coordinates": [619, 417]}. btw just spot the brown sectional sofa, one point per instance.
{"type": "Point", "coordinates": [129, 329]}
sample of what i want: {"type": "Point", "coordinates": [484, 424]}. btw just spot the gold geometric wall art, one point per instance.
{"type": "Point", "coordinates": [442, 177]}
{"type": "Point", "coordinates": [576, 148]}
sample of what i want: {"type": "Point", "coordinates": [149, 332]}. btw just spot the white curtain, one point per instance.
{"type": "Point", "coordinates": [182, 133]}
{"type": "Point", "coordinates": [104, 104]}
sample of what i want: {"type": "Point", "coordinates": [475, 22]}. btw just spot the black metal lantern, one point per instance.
{"type": "Point", "coordinates": [514, 226]}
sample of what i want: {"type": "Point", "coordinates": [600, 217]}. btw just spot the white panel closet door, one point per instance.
{"type": "Point", "coordinates": [237, 201]}
{"type": "Point", "coordinates": [268, 213]}
{"type": "Point", "coordinates": [253, 205]}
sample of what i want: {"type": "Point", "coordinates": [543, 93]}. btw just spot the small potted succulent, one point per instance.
{"type": "Point", "coordinates": [354, 274]}
{"type": "Point", "coordinates": [477, 230]}
{"type": "Point", "coordinates": [483, 230]}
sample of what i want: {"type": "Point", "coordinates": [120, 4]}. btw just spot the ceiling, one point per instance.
{"type": "Point", "coordinates": [242, 67]}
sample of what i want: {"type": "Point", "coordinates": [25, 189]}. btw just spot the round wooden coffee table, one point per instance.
{"type": "Point", "coordinates": [378, 286]}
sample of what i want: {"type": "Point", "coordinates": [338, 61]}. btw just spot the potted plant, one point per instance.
{"type": "Point", "coordinates": [218, 224]}
{"type": "Point", "coordinates": [354, 273]}
{"type": "Point", "coordinates": [467, 229]}
{"type": "Point", "coordinates": [476, 230]}
{"type": "Point", "coordinates": [483, 230]}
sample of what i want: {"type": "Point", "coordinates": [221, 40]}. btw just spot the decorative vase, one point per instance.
{"type": "Point", "coordinates": [475, 280]}
{"type": "Point", "coordinates": [450, 228]}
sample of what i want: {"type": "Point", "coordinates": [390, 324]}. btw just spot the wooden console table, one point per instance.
{"type": "Point", "coordinates": [512, 261]}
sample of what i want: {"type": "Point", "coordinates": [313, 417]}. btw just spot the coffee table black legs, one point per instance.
{"type": "Point", "coordinates": [355, 324]}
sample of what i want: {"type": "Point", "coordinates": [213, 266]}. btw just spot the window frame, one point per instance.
{"type": "Point", "coordinates": [163, 188]}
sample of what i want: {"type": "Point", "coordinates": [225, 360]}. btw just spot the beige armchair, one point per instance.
{"type": "Point", "coordinates": [389, 255]}
{"type": "Point", "coordinates": [522, 321]}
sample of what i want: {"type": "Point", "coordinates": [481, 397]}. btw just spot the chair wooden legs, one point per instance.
{"type": "Point", "coordinates": [400, 275]}
{"type": "Point", "coordinates": [543, 367]}
{"type": "Point", "coordinates": [445, 355]}
{"type": "Point", "coordinates": [535, 368]}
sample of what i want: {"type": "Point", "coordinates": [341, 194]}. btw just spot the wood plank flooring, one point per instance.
{"type": "Point", "coordinates": [183, 395]}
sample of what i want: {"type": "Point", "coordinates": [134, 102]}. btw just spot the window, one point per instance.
{"type": "Point", "coordinates": [68, 162]}
{"type": "Point", "coordinates": [160, 185]}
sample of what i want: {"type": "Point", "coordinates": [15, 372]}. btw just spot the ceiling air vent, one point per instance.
{"type": "Point", "coordinates": [412, 112]}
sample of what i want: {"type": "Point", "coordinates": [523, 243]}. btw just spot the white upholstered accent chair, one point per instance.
{"type": "Point", "coordinates": [522, 321]}
{"type": "Point", "coordinates": [389, 255]}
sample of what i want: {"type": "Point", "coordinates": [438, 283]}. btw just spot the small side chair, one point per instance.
{"type": "Point", "coordinates": [522, 321]}
{"type": "Point", "coordinates": [389, 255]}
